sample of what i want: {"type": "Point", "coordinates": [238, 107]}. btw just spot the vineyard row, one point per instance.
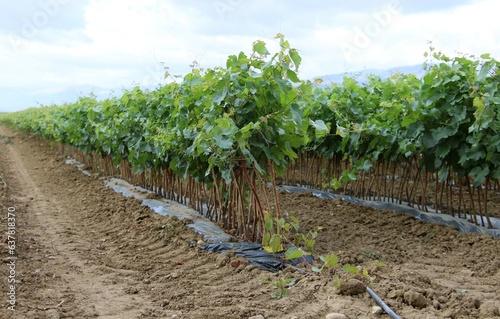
{"type": "Point", "coordinates": [216, 138]}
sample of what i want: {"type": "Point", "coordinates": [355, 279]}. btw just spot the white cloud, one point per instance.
{"type": "Point", "coordinates": [115, 43]}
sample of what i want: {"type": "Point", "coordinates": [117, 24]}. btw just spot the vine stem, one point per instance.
{"type": "Point", "coordinates": [490, 225]}
{"type": "Point", "coordinates": [471, 200]}
{"type": "Point", "coordinates": [241, 205]}
{"type": "Point", "coordinates": [217, 197]}
{"type": "Point", "coordinates": [436, 189]}
{"type": "Point", "coordinates": [413, 192]}
{"type": "Point", "coordinates": [252, 187]}
{"type": "Point", "coordinates": [275, 193]}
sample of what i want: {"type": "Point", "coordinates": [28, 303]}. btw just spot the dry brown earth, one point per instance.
{"type": "Point", "coordinates": [84, 251]}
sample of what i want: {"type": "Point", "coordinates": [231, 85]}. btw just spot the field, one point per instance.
{"type": "Point", "coordinates": [87, 252]}
{"type": "Point", "coordinates": [220, 142]}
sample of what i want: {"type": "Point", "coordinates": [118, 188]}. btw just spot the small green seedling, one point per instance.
{"type": "Point", "coordinates": [281, 286]}
{"type": "Point", "coordinates": [279, 234]}
{"type": "Point", "coordinates": [329, 261]}
{"type": "Point", "coordinates": [359, 270]}
{"type": "Point", "coordinates": [167, 229]}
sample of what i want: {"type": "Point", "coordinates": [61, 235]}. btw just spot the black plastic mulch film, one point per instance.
{"type": "Point", "coordinates": [460, 224]}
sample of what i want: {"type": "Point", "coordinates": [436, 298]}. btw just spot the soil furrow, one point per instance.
{"type": "Point", "coordinates": [86, 252]}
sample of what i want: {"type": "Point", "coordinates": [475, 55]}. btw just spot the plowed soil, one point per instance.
{"type": "Point", "coordinates": [84, 251]}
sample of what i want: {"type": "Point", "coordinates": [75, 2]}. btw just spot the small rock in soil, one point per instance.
{"type": "Point", "coordinates": [257, 317]}
{"type": "Point", "coordinates": [415, 299]}
{"type": "Point", "coordinates": [442, 299]}
{"type": "Point", "coordinates": [352, 287]}
{"type": "Point", "coordinates": [334, 315]}
{"type": "Point", "coordinates": [394, 294]}
{"type": "Point", "coordinates": [222, 260]}
{"type": "Point", "coordinates": [376, 310]}
{"type": "Point", "coordinates": [436, 304]}
{"type": "Point", "coordinates": [132, 290]}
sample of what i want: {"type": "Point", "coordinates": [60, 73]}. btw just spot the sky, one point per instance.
{"type": "Point", "coordinates": [51, 51]}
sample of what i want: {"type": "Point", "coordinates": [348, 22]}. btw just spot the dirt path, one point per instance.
{"type": "Point", "coordinates": [87, 252]}
{"type": "Point", "coordinates": [84, 251]}
{"type": "Point", "coordinates": [57, 268]}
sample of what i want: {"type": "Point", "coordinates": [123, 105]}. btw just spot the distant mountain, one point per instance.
{"type": "Point", "coordinates": [14, 99]}
{"type": "Point", "coordinates": [362, 76]}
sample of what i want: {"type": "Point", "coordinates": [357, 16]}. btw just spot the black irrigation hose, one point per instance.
{"type": "Point", "coordinates": [383, 304]}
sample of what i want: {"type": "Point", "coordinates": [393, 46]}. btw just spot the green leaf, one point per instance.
{"type": "Point", "coordinates": [367, 164]}
{"type": "Point", "coordinates": [286, 227]}
{"type": "Point", "coordinates": [321, 129]}
{"type": "Point", "coordinates": [478, 104]}
{"type": "Point", "coordinates": [265, 240]}
{"type": "Point", "coordinates": [227, 175]}
{"type": "Point", "coordinates": [297, 114]}
{"type": "Point", "coordinates": [316, 269]}
{"type": "Point", "coordinates": [260, 47]}
{"type": "Point", "coordinates": [295, 223]}
{"type": "Point", "coordinates": [480, 173]}
{"type": "Point", "coordinates": [293, 253]}
{"type": "Point", "coordinates": [348, 176]}
{"type": "Point", "coordinates": [280, 222]}
{"type": "Point", "coordinates": [220, 95]}
{"type": "Point", "coordinates": [223, 142]}
{"type": "Point", "coordinates": [295, 58]}
{"type": "Point", "coordinates": [350, 269]}
{"type": "Point", "coordinates": [495, 174]}
{"type": "Point", "coordinates": [366, 274]}
{"type": "Point", "coordinates": [310, 244]}
{"type": "Point", "coordinates": [330, 260]}
{"type": "Point", "coordinates": [193, 80]}
{"type": "Point", "coordinates": [335, 184]}
{"type": "Point", "coordinates": [442, 150]}
{"type": "Point", "coordinates": [297, 239]}
{"type": "Point", "coordinates": [442, 133]}
{"type": "Point", "coordinates": [483, 73]}
{"type": "Point", "coordinates": [290, 96]}
{"type": "Point", "coordinates": [443, 174]}
{"type": "Point", "coordinates": [275, 243]}
{"type": "Point", "coordinates": [407, 121]}
{"type": "Point", "coordinates": [145, 147]}
{"type": "Point", "coordinates": [268, 224]}
{"type": "Point", "coordinates": [292, 76]}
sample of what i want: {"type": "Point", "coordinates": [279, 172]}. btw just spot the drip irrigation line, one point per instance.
{"type": "Point", "coordinates": [382, 304]}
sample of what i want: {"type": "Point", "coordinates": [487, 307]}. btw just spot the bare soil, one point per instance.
{"type": "Point", "coordinates": [84, 251]}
